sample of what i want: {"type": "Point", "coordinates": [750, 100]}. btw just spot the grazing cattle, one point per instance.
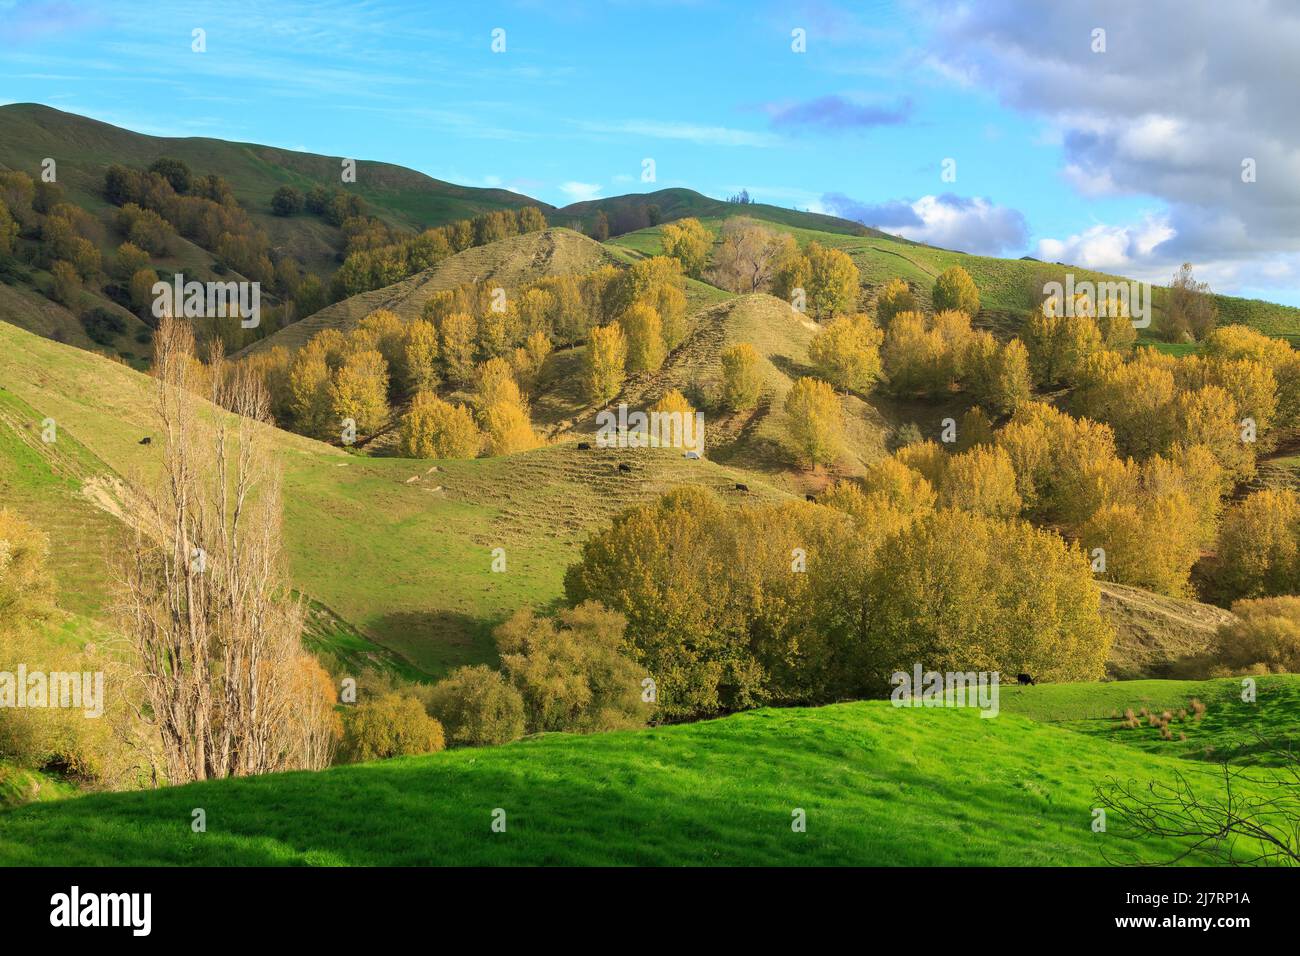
{"type": "Point", "coordinates": [809, 497]}
{"type": "Point", "coordinates": [584, 446]}
{"type": "Point", "coordinates": [146, 440]}
{"type": "Point", "coordinates": [740, 487]}
{"type": "Point", "coordinates": [624, 466]}
{"type": "Point", "coordinates": [1024, 679]}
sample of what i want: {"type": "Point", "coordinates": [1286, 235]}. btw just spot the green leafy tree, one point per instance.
{"type": "Point", "coordinates": [477, 707]}
{"type": "Point", "coordinates": [955, 289]}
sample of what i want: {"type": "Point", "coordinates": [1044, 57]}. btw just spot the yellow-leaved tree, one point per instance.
{"type": "Point", "coordinates": [815, 421]}
{"type": "Point", "coordinates": [645, 341]}
{"type": "Point", "coordinates": [742, 382]}
{"type": "Point", "coordinates": [359, 391]}
{"type": "Point", "coordinates": [433, 428]}
{"type": "Point", "coordinates": [687, 241]}
{"type": "Point", "coordinates": [846, 352]}
{"type": "Point", "coordinates": [955, 289]}
{"type": "Point", "coordinates": [606, 363]}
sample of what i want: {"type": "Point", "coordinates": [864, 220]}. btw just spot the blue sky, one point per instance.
{"type": "Point", "coordinates": [1058, 152]}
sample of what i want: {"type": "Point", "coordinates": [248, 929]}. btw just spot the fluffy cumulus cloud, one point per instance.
{"type": "Point", "coordinates": [951, 222]}
{"type": "Point", "coordinates": [1108, 248]}
{"type": "Point", "coordinates": [1181, 97]}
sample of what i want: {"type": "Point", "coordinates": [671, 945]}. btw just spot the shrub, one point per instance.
{"type": "Point", "coordinates": [573, 671]}
{"type": "Point", "coordinates": [390, 726]}
{"type": "Point", "coordinates": [477, 707]}
{"type": "Point", "coordinates": [1265, 638]}
{"type": "Point", "coordinates": [287, 201]}
{"type": "Point", "coordinates": [102, 325]}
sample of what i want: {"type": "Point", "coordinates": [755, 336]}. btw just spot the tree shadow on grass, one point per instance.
{"type": "Point", "coordinates": [437, 641]}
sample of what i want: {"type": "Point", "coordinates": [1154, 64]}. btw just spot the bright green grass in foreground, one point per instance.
{"type": "Point", "coordinates": [880, 785]}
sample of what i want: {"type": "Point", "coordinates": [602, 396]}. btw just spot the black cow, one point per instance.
{"type": "Point", "coordinates": [740, 487]}
{"type": "Point", "coordinates": [624, 466]}
{"type": "Point", "coordinates": [584, 446]}
{"type": "Point", "coordinates": [1024, 679]}
{"type": "Point", "coordinates": [809, 497]}
{"type": "Point", "coordinates": [146, 440]}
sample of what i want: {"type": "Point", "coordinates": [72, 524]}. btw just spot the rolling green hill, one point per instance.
{"type": "Point", "coordinates": [879, 786]}
{"type": "Point", "coordinates": [678, 203]}
{"type": "Point", "coordinates": [1006, 285]}
{"type": "Point", "coordinates": [83, 148]}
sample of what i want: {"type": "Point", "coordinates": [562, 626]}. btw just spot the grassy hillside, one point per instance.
{"type": "Point", "coordinates": [398, 552]}
{"type": "Point", "coordinates": [879, 785]}
{"type": "Point", "coordinates": [755, 440]}
{"type": "Point", "coordinates": [84, 148]}
{"type": "Point", "coordinates": [399, 549]}
{"type": "Point", "coordinates": [1153, 632]}
{"type": "Point", "coordinates": [1005, 285]}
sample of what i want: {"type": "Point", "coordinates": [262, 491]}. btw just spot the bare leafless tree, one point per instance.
{"type": "Point", "coordinates": [1190, 310]}
{"type": "Point", "coordinates": [207, 604]}
{"type": "Point", "coordinates": [748, 255]}
{"type": "Point", "coordinates": [1242, 815]}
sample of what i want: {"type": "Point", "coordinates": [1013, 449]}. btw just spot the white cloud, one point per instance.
{"type": "Point", "coordinates": [1183, 93]}
{"type": "Point", "coordinates": [965, 224]}
{"type": "Point", "coordinates": [701, 135]}
{"type": "Point", "coordinates": [1108, 248]}
{"type": "Point", "coordinates": [580, 192]}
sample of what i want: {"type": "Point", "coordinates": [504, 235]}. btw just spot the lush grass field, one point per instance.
{"type": "Point", "coordinates": [879, 785]}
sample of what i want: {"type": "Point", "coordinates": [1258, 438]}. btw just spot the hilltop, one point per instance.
{"type": "Point", "coordinates": [511, 262]}
{"type": "Point", "coordinates": [84, 148]}
{"type": "Point", "coordinates": [678, 203]}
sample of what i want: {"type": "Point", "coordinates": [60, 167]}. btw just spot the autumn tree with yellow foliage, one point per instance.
{"type": "Point", "coordinates": [742, 382]}
{"type": "Point", "coordinates": [815, 421]}
{"type": "Point", "coordinates": [606, 363]}
{"type": "Point", "coordinates": [687, 241]}
{"type": "Point", "coordinates": [846, 352]}
{"type": "Point", "coordinates": [433, 428]}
